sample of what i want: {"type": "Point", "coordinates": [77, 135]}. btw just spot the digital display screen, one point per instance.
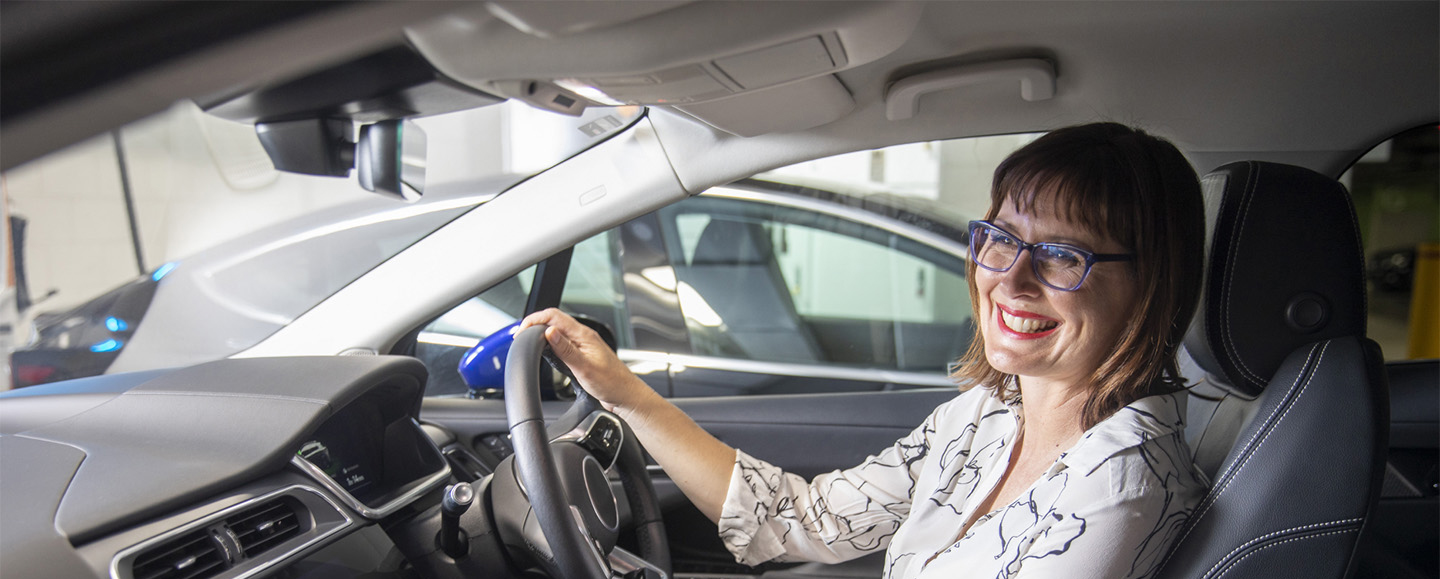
{"type": "Point", "coordinates": [373, 449]}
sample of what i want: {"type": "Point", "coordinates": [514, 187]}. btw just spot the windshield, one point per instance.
{"type": "Point", "coordinates": [212, 249]}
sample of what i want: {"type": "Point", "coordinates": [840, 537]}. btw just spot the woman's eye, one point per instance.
{"type": "Point", "coordinates": [1060, 257]}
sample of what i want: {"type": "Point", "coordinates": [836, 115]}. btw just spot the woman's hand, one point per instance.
{"type": "Point", "coordinates": [595, 365]}
{"type": "Point", "coordinates": [696, 461]}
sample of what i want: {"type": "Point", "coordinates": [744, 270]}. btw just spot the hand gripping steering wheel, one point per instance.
{"type": "Point", "coordinates": [565, 481]}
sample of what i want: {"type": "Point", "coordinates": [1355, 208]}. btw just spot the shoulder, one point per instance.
{"type": "Point", "coordinates": [1139, 449]}
{"type": "Point", "coordinates": [971, 410]}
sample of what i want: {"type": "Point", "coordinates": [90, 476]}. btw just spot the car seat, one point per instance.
{"type": "Point", "coordinates": [734, 271]}
{"type": "Point", "coordinates": [1294, 437]}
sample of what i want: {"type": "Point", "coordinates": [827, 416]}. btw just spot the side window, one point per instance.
{"type": "Point", "coordinates": [1396, 188]}
{"type": "Point", "coordinates": [592, 289]}
{"type": "Point", "coordinates": [763, 281]}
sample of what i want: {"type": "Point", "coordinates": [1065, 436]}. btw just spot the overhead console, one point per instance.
{"type": "Point", "coordinates": [718, 65]}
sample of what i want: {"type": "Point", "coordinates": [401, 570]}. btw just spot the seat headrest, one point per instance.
{"type": "Point", "coordinates": [731, 242]}
{"type": "Point", "coordinates": [1284, 268]}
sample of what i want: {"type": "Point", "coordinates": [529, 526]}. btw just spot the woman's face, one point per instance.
{"type": "Point", "coordinates": [1032, 330]}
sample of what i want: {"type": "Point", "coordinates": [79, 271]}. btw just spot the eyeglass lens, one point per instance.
{"type": "Point", "coordinates": [1057, 266]}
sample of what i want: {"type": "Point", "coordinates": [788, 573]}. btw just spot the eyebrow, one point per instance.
{"type": "Point", "coordinates": [1065, 240]}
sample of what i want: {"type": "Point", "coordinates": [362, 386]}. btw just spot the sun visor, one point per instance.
{"type": "Point", "coordinates": [791, 107]}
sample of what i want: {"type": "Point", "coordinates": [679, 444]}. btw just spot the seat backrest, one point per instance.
{"type": "Point", "coordinates": [733, 270]}
{"type": "Point", "coordinates": [1303, 407]}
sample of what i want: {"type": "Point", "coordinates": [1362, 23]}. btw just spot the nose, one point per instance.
{"type": "Point", "coordinates": [1020, 279]}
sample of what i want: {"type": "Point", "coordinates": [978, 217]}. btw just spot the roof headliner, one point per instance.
{"type": "Point", "coordinates": [1310, 83]}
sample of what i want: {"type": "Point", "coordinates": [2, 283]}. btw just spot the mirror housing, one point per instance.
{"type": "Point", "coordinates": [483, 366]}
{"type": "Point", "coordinates": [316, 146]}
{"type": "Point", "coordinates": [390, 159]}
{"type": "Point", "coordinates": [389, 155]}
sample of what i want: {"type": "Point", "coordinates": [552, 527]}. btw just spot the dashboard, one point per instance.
{"type": "Point", "coordinates": [230, 469]}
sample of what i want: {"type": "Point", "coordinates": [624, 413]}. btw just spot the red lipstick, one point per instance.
{"type": "Point", "coordinates": [1008, 331]}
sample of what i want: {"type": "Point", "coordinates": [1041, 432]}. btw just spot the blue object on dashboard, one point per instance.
{"type": "Point", "coordinates": [107, 346]}
{"type": "Point", "coordinates": [162, 271]}
{"type": "Point", "coordinates": [115, 324]}
{"type": "Point", "coordinates": [483, 367]}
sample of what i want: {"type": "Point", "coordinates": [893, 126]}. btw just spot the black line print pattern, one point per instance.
{"type": "Point", "coordinates": [1031, 518]}
{"type": "Point", "coordinates": [1167, 461]}
{"type": "Point", "coordinates": [1063, 519]}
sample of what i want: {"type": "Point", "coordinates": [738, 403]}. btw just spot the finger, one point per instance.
{"type": "Point", "coordinates": [544, 316]}
{"type": "Point", "coordinates": [563, 344]}
{"type": "Point", "coordinates": [558, 341]}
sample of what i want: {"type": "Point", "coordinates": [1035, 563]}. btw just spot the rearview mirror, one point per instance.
{"type": "Point", "coordinates": [390, 159]}
{"type": "Point", "coordinates": [389, 155]}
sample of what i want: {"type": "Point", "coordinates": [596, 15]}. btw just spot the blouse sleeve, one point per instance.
{"type": "Point", "coordinates": [838, 516]}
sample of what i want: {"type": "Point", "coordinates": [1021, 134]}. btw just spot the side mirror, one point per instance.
{"type": "Point", "coordinates": [390, 156]}
{"type": "Point", "coordinates": [483, 366]}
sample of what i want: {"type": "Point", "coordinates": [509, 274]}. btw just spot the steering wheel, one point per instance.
{"type": "Point", "coordinates": [565, 482]}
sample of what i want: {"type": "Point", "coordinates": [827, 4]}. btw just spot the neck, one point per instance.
{"type": "Point", "coordinates": [1053, 414]}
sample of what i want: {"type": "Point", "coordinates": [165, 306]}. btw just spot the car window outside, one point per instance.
{"type": "Point", "coordinates": [593, 289]}
{"type": "Point", "coordinates": [1396, 188]}
{"type": "Point", "coordinates": [849, 268]}
{"type": "Point", "coordinates": [782, 284]}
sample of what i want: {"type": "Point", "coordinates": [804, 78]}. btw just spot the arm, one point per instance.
{"type": "Point", "coordinates": [698, 462]}
{"type": "Point", "coordinates": [838, 516]}
{"type": "Point", "coordinates": [762, 512]}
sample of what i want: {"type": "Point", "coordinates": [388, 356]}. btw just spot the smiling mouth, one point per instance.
{"type": "Point", "coordinates": [1026, 325]}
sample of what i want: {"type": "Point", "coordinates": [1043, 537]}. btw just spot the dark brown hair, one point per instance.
{"type": "Point", "coordinates": [1140, 191]}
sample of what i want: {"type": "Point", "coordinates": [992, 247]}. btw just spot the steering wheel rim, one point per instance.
{"type": "Point", "coordinates": [574, 553]}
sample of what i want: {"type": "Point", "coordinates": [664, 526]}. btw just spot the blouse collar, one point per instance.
{"type": "Point", "coordinates": [1142, 420]}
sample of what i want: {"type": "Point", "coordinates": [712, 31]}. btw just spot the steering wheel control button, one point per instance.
{"type": "Point", "coordinates": [602, 436]}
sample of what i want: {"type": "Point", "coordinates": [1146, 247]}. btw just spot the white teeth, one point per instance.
{"type": "Point", "coordinates": [1026, 325]}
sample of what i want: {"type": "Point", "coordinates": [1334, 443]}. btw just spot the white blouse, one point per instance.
{"type": "Point", "coordinates": [1109, 507]}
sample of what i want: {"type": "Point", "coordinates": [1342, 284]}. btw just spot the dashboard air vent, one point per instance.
{"type": "Point", "coordinates": [263, 527]}
{"type": "Point", "coordinates": [190, 556]}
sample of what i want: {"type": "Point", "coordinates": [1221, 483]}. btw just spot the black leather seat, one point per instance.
{"type": "Point", "coordinates": [1303, 404]}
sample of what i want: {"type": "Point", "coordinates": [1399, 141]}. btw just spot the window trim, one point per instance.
{"type": "Point", "coordinates": [861, 216]}
{"type": "Point", "coordinates": [876, 375]}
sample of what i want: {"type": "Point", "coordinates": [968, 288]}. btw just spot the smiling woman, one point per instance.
{"type": "Point", "coordinates": [1069, 458]}
{"type": "Point", "coordinates": [725, 282]}
{"type": "Point", "coordinates": [1151, 210]}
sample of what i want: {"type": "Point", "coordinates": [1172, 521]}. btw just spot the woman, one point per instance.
{"type": "Point", "coordinates": [1065, 454]}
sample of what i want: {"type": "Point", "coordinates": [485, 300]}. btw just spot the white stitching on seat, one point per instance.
{"type": "Point", "coordinates": [1268, 431]}
{"type": "Point", "coordinates": [1246, 201]}
{"type": "Point", "coordinates": [1229, 475]}
{"type": "Point", "coordinates": [1262, 539]}
{"type": "Point", "coordinates": [1247, 555]}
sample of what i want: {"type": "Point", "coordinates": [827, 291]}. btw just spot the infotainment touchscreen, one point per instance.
{"type": "Point", "coordinates": [373, 450]}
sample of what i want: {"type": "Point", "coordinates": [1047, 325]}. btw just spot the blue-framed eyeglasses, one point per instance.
{"type": "Point", "coordinates": [1057, 265]}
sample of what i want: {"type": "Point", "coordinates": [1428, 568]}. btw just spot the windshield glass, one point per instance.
{"type": "Point", "coordinates": [184, 217]}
